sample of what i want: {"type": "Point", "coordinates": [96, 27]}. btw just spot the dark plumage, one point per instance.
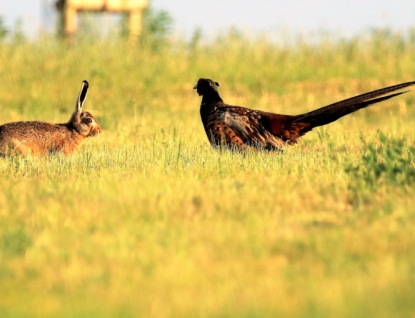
{"type": "Point", "coordinates": [241, 127]}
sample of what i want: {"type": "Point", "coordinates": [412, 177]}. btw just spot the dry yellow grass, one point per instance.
{"type": "Point", "coordinates": [149, 221]}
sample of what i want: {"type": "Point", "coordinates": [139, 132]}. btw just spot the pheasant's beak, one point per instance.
{"type": "Point", "coordinates": [195, 87]}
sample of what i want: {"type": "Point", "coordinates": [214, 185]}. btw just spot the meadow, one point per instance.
{"type": "Point", "coordinates": [148, 221]}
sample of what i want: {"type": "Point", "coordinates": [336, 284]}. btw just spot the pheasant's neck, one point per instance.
{"type": "Point", "coordinates": [211, 98]}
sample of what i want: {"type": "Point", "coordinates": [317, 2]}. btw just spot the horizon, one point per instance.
{"type": "Point", "coordinates": [345, 18]}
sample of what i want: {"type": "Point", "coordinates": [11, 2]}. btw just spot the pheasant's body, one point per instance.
{"type": "Point", "coordinates": [241, 127]}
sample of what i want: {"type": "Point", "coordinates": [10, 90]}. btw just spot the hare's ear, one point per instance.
{"type": "Point", "coordinates": [82, 96]}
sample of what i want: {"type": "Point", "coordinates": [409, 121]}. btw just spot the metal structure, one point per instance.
{"type": "Point", "coordinates": [69, 8]}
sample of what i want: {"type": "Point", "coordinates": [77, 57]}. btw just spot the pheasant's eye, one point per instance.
{"type": "Point", "coordinates": [88, 120]}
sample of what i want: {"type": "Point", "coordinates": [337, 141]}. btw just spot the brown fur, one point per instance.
{"type": "Point", "coordinates": [39, 138]}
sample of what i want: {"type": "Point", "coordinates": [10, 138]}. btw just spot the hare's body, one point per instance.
{"type": "Point", "coordinates": [39, 138]}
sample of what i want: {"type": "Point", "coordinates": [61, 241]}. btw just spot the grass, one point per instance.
{"type": "Point", "coordinates": [149, 221]}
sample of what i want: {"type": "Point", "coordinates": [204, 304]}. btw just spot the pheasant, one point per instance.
{"type": "Point", "coordinates": [240, 127]}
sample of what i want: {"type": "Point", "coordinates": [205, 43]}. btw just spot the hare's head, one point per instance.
{"type": "Point", "coordinates": [84, 122]}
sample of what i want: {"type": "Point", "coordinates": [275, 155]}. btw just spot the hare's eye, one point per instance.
{"type": "Point", "coordinates": [88, 120]}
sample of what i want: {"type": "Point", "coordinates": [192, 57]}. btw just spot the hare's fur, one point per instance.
{"type": "Point", "coordinates": [39, 138]}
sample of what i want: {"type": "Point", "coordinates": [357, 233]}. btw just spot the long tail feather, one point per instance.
{"type": "Point", "coordinates": [330, 113]}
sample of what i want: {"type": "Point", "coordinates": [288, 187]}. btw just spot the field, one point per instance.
{"type": "Point", "coordinates": [148, 221]}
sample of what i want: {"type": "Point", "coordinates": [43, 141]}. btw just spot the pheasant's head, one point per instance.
{"type": "Point", "coordinates": [206, 86]}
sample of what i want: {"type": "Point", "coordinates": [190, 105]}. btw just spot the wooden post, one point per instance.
{"type": "Point", "coordinates": [69, 8]}
{"type": "Point", "coordinates": [70, 20]}
{"type": "Point", "coordinates": [135, 25]}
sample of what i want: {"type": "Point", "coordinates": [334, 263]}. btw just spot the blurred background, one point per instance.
{"type": "Point", "coordinates": [271, 55]}
{"type": "Point", "coordinates": [346, 18]}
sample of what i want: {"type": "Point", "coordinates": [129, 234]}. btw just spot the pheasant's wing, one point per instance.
{"type": "Point", "coordinates": [252, 127]}
{"type": "Point", "coordinates": [226, 126]}
{"type": "Point", "coordinates": [255, 127]}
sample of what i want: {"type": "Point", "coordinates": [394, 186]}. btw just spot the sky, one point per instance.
{"type": "Point", "coordinates": [345, 17]}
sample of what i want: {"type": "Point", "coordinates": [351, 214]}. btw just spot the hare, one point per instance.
{"type": "Point", "coordinates": [39, 138]}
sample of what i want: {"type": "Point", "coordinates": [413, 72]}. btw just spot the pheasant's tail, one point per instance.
{"type": "Point", "coordinates": [330, 113]}
{"type": "Point", "coordinates": [290, 128]}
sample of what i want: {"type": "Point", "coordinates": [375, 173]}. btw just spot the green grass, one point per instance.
{"type": "Point", "coordinates": [149, 221]}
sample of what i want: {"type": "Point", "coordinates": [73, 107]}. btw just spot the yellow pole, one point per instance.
{"type": "Point", "coordinates": [135, 25]}
{"type": "Point", "coordinates": [70, 20]}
